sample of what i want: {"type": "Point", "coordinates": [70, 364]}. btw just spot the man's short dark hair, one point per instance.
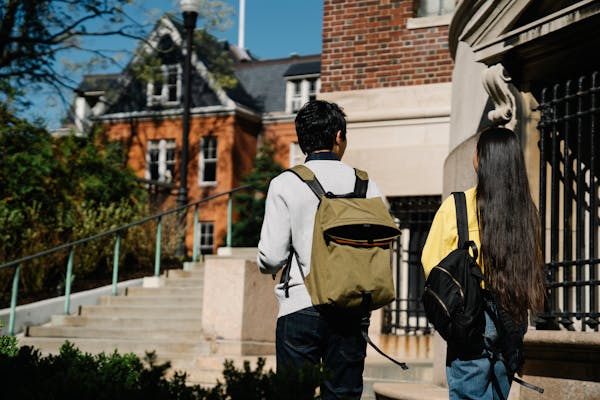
{"type": "Point", "coordinates": [317, 124]}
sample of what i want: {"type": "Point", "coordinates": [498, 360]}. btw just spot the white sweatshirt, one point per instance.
{"type": "Point", "coordinates": [289, 216]}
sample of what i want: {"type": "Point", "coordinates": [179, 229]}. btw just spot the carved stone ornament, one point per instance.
{"type": "Point", "coordinates": [495, 82]}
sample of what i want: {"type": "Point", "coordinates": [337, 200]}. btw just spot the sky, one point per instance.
{"type": "Point", "coordinates": [273, 29]}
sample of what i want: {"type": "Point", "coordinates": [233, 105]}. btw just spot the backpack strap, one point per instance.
{"type": "Point", "coordinates": [462, 220]}
{"type": "Point", "coordinates": [361, 184]}
{"type": "Point", "coordinates": [462, 223]}
{"type": "Point", "coordinates": [309, 178]}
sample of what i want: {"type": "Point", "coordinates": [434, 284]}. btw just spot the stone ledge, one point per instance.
{"type": "Point", "coordinates": [409, 391]}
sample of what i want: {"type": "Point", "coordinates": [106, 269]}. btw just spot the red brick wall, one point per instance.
{"type": "Point", "coordinates": [367, 45]}
{"type": "Point", "coordinates": [233, 134]}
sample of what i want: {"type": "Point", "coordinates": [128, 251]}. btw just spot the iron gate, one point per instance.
{"type": "Point", "coordinates": [414, 216]}
{"type": "Point", "coordinates": [568, 201]}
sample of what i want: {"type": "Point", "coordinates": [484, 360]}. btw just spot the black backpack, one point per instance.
{"type": "Point", "coordinates": [454, 304]}
{"type": "Point", "coordinates": [453, 299]}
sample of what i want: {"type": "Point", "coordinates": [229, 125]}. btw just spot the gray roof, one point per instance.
{"type": "Point", "coordinates": [261, 85]}
{"type": "Point", "coordinates": [304, 68]}
{"type": "Point", "coordinates": [265, 80]}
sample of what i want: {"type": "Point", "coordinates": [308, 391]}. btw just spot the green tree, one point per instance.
{"type": "Point", "coordinates": [56, 190]}
{"type": "Point", "coordinates": [41, 39]}
{"type": "Point", "coordinates": [250, 204]}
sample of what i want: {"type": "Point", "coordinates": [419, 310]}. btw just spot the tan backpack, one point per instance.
{"type": "Point", "coordinates": [350, 265]}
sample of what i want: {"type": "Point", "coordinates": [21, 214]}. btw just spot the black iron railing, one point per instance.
{"type": "Point", "coordinates": [568, 202]}
{"type": "Point", "coordinates": [414, 215]}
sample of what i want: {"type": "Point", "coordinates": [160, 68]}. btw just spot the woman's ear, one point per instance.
{"type": "Point", "coordinates": [475, 160]}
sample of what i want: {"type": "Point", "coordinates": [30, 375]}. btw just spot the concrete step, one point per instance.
{"type": "Point", "coordinates": [418, 371]}
{"type": "Point", "coordinates": [185, 323]}
{"type": "Point", "coordinates": [410, 391]}
{"type": "Point", "coordinates": [206, 370]}
{"type": "Point", "coordinates": [142, 311]}
{"type": "Point", "coordinates": [180, 273]}
{"type": "Point", "coordinates": [171, 301]}
{"type": "Point", "coordinates": [183, 282]}
{"type": "Point", "coordinates": [162, 292]}
{"type": "Point", "coordinates": [136, 346]}
{"type": "Point", "coordinates": [114, 332]}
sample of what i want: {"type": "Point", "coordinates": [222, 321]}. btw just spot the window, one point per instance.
{"type": "Point", "coordinates": [299, 91]}
{"type": "Point", "coordinates": [296, 95]}
{"type": "Point", "coordinates": [312, 89]}
{"type": "Point", "coordinates": [431, 8]}
{"type": "Point", "coordinates": [165, 88]}
{"type": "Point", "coordinates": [296, 155]}
{"type": "Point", "coordinates": [207, 237]}
{"type": "Point", "coordinates": [160, 160]}
{"type": "Point", "coordinates": [208, 161]}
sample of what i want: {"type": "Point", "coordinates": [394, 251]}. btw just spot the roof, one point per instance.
{"type": "Point", "coordinates": [265, 80]}
{"type": "Point", "coordinates": [259, 84]}
{"type": "Point", "coordinates": [304, 68]}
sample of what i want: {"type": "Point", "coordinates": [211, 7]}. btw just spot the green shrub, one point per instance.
{"type": "Point", "coordinates": [72, 374]}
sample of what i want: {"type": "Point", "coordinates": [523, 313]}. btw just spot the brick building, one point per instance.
{"type": "Point", "coordinates": [227, 117]}
{"type": "Point", "coordinates": [387, 64]}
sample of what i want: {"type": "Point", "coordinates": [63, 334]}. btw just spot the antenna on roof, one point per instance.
{"type": "Point", "coordinates": [241, 23]}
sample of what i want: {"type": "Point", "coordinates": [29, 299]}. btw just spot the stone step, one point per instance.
{"type": "Point", "coordinates": [114, 332]}
{"type": "Point", "coordinates": [208, 369]}
{"type": "Point", "coordinates": [136, 346]}
{"type": "Point", "coordinates": [142, 311]}
{"type": "Point", "coordinates": [180, 273]}
{"type": "Point", "coordinates": [162, 291]}
{"type": "Point", "coordinates": [171, 301]}
{"type": "Point", "coordinates": [183, 282]}
{"type": "Point", "coordinates": [185, 323]}
{"type": "Point", "coordinates": [418, 371]}
{"type": "Point", "coordinates": [410, 391]}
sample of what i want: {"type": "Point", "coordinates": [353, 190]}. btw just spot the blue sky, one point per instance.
{"type": "Point", "coordinates": [273, 29]}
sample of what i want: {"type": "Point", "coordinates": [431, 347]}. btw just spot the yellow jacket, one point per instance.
{"type": "Point", "coordinates": [443, 235]}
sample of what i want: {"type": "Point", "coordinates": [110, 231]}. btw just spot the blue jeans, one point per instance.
{"type": "Point", "coordinates": [476, 379]}
{"type": "Point", "coordinates": [306, 338]}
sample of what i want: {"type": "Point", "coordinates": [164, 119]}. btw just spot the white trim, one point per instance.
{"type": "Point", "coordinates": [175, 112]}
{"type": "Point", "coordinates": [428, 22]}
{"type": "Point", "coordinates": [211, 236]}
{"type": "Point", "coordinates": [202, 161]}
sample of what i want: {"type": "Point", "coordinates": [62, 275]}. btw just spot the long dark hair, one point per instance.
{"type": "Point", "coordinates": [508, 224]}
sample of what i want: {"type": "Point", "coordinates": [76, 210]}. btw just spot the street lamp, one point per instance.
{"type": "Point", "coordinates": [189, 8]}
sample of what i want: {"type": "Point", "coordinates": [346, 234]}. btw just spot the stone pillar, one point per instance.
{"type": "Point", "coordinates": [239, 306]}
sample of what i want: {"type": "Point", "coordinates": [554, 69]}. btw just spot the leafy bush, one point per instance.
{"type": "Point", "coordinates": [57, 190]}
{"type": "Point", "coordinates": [26, 374]}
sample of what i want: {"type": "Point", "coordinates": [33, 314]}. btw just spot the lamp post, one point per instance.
{"type": "Point", "coordinates": [189, 8]}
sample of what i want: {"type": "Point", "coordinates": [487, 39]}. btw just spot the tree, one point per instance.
{"type": "Point", "coordinates": [250, 204]}
{"type": "Point", "coordinates": [34, 34]}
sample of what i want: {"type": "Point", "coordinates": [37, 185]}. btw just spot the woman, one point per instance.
{"type": "Point", "coordinates": [504, 224]}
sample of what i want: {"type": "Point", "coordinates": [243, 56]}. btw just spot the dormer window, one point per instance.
{"type": "Point", "coordinates": [300, 90]}
{"type": "Point", "coordinates": [165, 88]}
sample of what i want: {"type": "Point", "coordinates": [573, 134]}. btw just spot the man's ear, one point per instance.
{"type": "Point", "coordinates": [339, 137]}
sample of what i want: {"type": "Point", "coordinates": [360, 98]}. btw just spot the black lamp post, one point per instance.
{"type": "Point", "coordinates": [189, 8]}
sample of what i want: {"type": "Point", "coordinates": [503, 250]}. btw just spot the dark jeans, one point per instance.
{"type": "Point", "coordinates": [306, 338]}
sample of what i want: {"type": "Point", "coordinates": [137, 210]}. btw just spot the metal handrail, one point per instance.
{"type": "Point", "coordinates": [117, 231]}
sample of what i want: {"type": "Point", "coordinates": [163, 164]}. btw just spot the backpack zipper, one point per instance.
{"type": "Point", "coordinates": [462, 295]}
{"type": "Point", "coordinates": [437, 298]}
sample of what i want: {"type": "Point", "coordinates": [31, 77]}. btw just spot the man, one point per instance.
{"type": "Point", "coordinates": [305, 337]}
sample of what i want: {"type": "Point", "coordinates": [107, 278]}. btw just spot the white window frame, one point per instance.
{"type": "Point", "coordinates": [165, 148]}
{"type": "Point", "coordinates": [438, 5]}
{"type": "Point", "coordinates": [294, 100]}
{"type": "Point", "coordinates": [163, 96]}
{"type": "Point", "coordinates": [203, 160]}
{"type": "Point", "coordinates": [207, 237]}
{"type": "Point", "coordinates": [296, 155]}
